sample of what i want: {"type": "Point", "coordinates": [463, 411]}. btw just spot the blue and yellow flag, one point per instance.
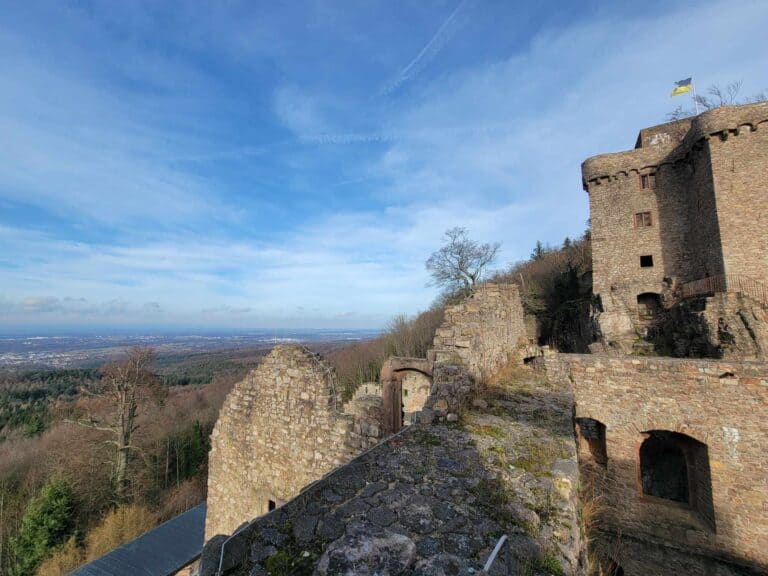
{"type": "Point", "coordinates": [682, 87]}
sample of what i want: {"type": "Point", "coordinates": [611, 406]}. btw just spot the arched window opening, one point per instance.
{"type": "Point", "coordinates": [675, 468]}
{"type": "Point", "coordinates": [648, 305]}
{"type": "Point", "coordinates": [591, 434]}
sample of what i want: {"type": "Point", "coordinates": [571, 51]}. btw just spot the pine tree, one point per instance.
{"type": "Point", "coordinates": [47, 523]}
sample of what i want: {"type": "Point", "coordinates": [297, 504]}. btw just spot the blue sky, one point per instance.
{"type": "Point", "coordinates": [292, 164]}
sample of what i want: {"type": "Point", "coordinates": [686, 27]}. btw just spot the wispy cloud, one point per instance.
{"type": "Point", "coordinates": [430, 50]}
{"type": "Point", "coordinates": [220, 179]}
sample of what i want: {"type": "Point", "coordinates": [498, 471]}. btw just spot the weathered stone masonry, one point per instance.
{"type": "Point", "coordinates": [280, 429]}
{"type": "Point", "coordinates": [703, 185]}
{"type": "Point", "coordinates": [484, 331]}
{"type": "Point", "coordinates": [716, 412]}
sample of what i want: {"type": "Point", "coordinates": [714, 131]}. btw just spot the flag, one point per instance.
{"type": "Point", "coordinates": [682, 87]}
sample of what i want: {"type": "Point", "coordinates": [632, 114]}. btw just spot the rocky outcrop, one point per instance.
{"type": "Point", "coordinates": [727, 325]}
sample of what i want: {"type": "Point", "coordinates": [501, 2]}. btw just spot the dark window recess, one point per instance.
{"type": "Point", "coordinates": [675, 467]}
{"type": "Point", "coordinates": [272, 505]}
{"type": "Point", "coordinates": [648, 181]}
{"type": "Point", "coordinates": [643, 220]}
{"type": "Point", "coordinates": [591, 434]}
{"type": "Point", "coordinates": [664, 469]}
{"type": "Point", "coordinates": [646, 261]}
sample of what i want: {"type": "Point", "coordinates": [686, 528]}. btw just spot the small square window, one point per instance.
{"type": "Point", "coordinates": [646, 261]}
{"type": "Point", "coordinates": [648, 181]}
{"type": "Point", "coordinates": [643, 219]}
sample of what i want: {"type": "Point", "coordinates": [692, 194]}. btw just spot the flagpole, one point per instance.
{"type": "Point", "coordinates": [695, 100]}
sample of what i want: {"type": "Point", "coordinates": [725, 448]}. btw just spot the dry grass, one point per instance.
{"type": "Point", "coordinates": [118, 527]}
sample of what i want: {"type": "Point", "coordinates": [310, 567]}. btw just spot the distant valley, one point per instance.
{"type": "Point", "coordinates": [92, 350]}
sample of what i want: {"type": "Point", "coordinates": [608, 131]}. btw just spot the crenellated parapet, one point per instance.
{"type": "Point", "coordinates": [673, 143]}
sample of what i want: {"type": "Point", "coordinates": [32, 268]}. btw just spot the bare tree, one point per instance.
{"type": "Point", "coordinates": [127, 383]}
{"type": "Point", "coordinates": [460, 263]}
{"type": "Point", "coordinates": [716, 97]}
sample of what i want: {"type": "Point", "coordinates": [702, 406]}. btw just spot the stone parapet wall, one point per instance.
{"type": "Point", "coordinates": [721, 405]}
{"type": "Point", "coordinates": [280, 429]}
{"type": "Point", "coordinates": [483, 331]}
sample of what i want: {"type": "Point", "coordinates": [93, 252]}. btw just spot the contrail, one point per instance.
{"type": "Point", "coordinates": [429, 51]}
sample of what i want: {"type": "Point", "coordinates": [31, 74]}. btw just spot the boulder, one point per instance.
{"type": "Point", "coordinates": [368, 550]}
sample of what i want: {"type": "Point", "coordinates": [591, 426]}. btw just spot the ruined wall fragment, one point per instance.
{"type": "Point", "coordinates": [720, 407]}
{"type": "Point", "coordinates": [280, 429]}
{"type": "Point", "coordinates": [484, 331]}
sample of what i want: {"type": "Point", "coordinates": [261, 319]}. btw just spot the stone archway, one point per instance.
{"type": "Point", "coordinates": [415, 389]}
{"type": "Point", "coordinates": [648, 306]}
{"type": "Point", "coordinates": [674, 469]}
{"type": "Point", "coordinates": [407, 384]}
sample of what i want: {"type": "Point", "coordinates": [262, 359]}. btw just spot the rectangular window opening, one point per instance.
{"type": "Point", "coordinates": [648, 181]}
{"type": "Point", "coordinates": [643, 220]}
{"type": "Point", "coordinates": [272, 505]}
{"type": "Point", "coordinates": [646, 261]}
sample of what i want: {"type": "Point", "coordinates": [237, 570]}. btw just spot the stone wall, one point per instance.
{"type": "Point", "coordinates": [433, 500]}
{"type": "Point", "coordinates": [740, 173]}
{"type": "Point", "coordinates": [484, 331]}
{"type": "Point", "coordinates": [280, 429]}
{"type": "Point", "coordinates": [717, 410]}
{"type": "Point", "coordinates": [710, 195]}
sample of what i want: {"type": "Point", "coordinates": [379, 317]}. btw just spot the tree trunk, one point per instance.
{"type": "Point", "coordinates": [127, 413]}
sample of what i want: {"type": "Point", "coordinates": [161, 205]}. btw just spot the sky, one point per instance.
{"type": "Point", "coordinates": [243, 165]}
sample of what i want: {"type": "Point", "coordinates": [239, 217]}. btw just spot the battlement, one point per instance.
{"type": "Point", "coordinates": [672, 142]}
{"type": "Point", "coordinates": [683, 206]}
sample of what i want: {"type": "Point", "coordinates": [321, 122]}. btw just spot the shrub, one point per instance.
{"type": "Point", "coordinates": [119, 526]}
{"type": "Point", "coordinates": [63, 560]}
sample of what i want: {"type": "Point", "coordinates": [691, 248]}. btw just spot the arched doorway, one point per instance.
{"type": "Point", "coordinates": [648, 305]}
{"type": "Point", "coordinates": [416, 387]}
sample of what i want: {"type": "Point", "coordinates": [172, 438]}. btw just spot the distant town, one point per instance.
{"type": "Point", "coordinates": [78, 351]}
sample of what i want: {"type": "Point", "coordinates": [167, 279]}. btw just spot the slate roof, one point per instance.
{"type": "Point", "coordinates": [159, 552]}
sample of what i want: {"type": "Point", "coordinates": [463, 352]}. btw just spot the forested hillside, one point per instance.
{"type": "Point", "coordinates": [58, 506]}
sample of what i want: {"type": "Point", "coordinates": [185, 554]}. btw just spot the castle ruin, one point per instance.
{"type": "Point", "coordinates": [672, 451]}
{"type": "Point", "coordinates": [284, 426]}
{"type": "Point", "coordinates": [683, 215]}
{"type": "Point", "coordinates": [281, 428]}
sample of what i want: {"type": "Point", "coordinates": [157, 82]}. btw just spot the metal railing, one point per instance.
{"type": "Point", "coordinates": [503, 542]}
{"type": "Point", "coordinates": [735, 283]}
